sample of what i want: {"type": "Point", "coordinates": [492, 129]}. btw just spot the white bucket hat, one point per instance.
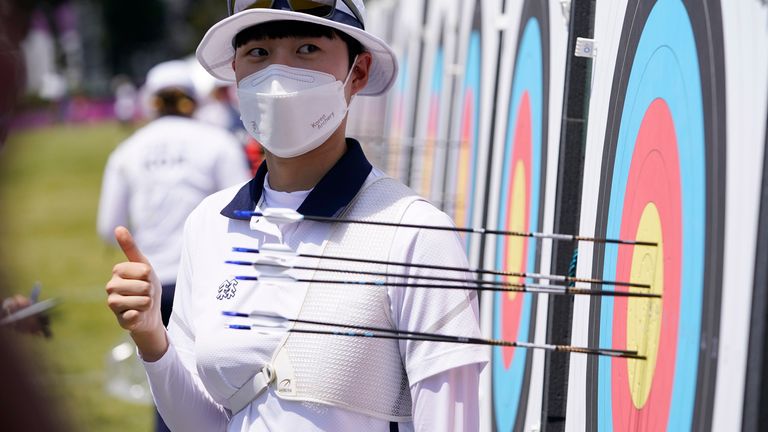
{"type": "Point", "coordinates": [216, 52]}
{"type": "Point", "coordinates": [170, 74]}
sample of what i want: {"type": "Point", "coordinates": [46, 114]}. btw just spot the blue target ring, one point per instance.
{"type": "Point", "coordinates": [472, 82]}
{"type": "Point", "coordinates": [465, 179]}
{"type": "Point", "coordinates": [397, 162]}
{"type": "Point", "coordinates": [666, 66]}
{"type": "Point", "coordinates": [508, 382]}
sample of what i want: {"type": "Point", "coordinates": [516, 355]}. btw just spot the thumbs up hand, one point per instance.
{"type": "Point", "coordinates": [133, 295]}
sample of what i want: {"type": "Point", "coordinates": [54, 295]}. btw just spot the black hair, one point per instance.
{"type": "Point", "coordinates": [287, 29]}
{"type": "Point", "coordinates": [174, 101]}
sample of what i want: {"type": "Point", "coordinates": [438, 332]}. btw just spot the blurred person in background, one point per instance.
{"type": "Point", "coordinates": [255, 154]}
{"type": "Point", "coordinates": [26, 406]}
{"type": "Point", "coordinates": [220, 108]}
{"type": "Point", "coordinates": [14, 25]}
{"type": "Point", "coordinates": [126, 100]}
{"type": "Point", "coordinates": [35, 321]}
{"type": "Point", "coordinates": [156, 177]}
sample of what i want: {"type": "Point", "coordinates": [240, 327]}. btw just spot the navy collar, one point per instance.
{"type": "Point", "coordinates": [334, 191]}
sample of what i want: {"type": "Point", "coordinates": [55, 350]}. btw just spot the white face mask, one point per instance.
{"type": "Point", "coordinates": [291, 111]}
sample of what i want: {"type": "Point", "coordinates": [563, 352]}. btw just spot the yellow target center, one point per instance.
{"type": "Point", "coordinates": [462, 183]}
{"type": "Point", "coordinates": [644, 314]}
{"type": "Point", "coordinates": [516, 222]}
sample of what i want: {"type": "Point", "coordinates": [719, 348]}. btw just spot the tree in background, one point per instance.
{"type": "Point", "coordinates": [141, 33]}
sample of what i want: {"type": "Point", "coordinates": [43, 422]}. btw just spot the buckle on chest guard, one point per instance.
{"type": "Point", "coordinates": [252, 389]}
{"type": "Point", "coordinates": [269, 373]}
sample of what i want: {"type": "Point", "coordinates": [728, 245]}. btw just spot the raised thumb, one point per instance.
{"type": "Point", "coordinates": [131, 251]}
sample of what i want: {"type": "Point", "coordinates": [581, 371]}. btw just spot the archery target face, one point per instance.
{"type": "Point", "coordinates": [651, 212]}
{"type": "Point", "coordinates": [466, 167]}
{"type": "Point", "coordinates": [434, 106]}
{"type": "Point", "coordinates": [408, 24]}
{"type": "Point", "coordinates": [429, 153]}
{"type": "Point", "coordinates": [657, 177]}
{"type": "Point", "coordinates": [398, 129]}
{"type": "Point", "coordinates": [467, 174]}
{"type": "Point", "coordinates": [520, 209]}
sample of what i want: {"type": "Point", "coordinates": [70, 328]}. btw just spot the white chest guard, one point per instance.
{"type": "Point", "coordinates": [364, 375]}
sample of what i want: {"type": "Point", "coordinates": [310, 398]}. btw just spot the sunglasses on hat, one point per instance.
{"type": "Point", "coordinates": [318, 8]}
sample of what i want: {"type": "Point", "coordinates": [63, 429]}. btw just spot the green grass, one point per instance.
{"type": "Point", "coordinates": [49, 189]}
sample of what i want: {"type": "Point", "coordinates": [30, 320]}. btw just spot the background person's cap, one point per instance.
{"type": "Point", "coordinates": [216, 52]}
{"type": "Point", "coordinates": [170, 74]}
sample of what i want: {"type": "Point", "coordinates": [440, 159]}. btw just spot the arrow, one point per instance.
{"type": "Point", "coordinates": [388, 333]}
{"type": "Point", "coordinates": [278, 276]}
{"type": "Point", "coordinates": [281, 216]}
{"type": "Point", "coordinates": [285, 253]}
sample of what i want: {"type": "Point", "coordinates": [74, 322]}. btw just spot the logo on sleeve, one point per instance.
{"type": "Point", "coordinates": [227, 289]}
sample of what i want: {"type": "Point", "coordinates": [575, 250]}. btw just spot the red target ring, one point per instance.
{"type": "Point", "coordinates": [516, 248]}
{"type": "Point", "coordinates": [654, 179]}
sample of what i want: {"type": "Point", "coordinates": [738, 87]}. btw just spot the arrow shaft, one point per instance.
{"type": "Point", "coordinates": [473, 282]}
{"type": "Point", "coordinates": [558, 278]}
{"type": "Point", "coordinates": [481, 231]}
{"type": "Point", "coordinates": [479, 283]}
{"type": "Point", "coordinates": [522, 288]}
{"type": "Point", "coordinates": [388, 333]}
